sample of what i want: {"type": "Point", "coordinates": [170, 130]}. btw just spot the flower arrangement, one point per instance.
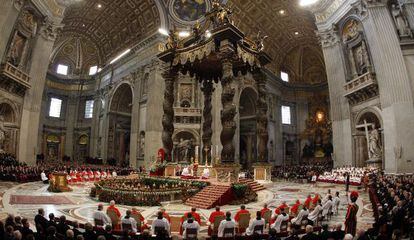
{"type": "Point", "coordinates": [145, 191]}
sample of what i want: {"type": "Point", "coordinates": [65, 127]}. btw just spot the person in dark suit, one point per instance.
{"type": "Point", "coordinates": [52, 221]}
{"type": "Point", "coordinates": [40, 220]}
{"type": "Point", "coordinates": [26, 228]}
{"type": "Point", "coordinates": [309, 234]}
{"type": "Point", "coordinates": [62, 226]}
{"type": "Point", "coordinates": [338, 234]}
{"type": "Point", "coordinates": [325, 234]}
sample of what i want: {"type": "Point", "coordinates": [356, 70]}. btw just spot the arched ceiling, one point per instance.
{"type": "Point", "coordinates": [288, 26]}
{"type": "Point", "coordinates": [113, 25]}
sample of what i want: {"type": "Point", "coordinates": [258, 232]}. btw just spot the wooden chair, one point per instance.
{"type": "Point", "coordinates": [284, 226]}
{"type": "Point", "coordinates": [267, 216]}
{"type": "Point", "coordinates": [126, 227]}
{"type": "Point", "coordinates": [216, 224]}
{"type": "Point", "coordinates": [229, 233]}
{"type": "Point", "coordinates": [244, 221]}
{"type": "Point", "coordinates": [160, 232]}
{"type": "Point", "coordinates": [98, 222]}
{"type": "Point", "coordinates": [114, 218]}
{"type": "Point", "coordinates": [191, 233]}
{"type": "Point", "coordinates": [258, 229]}
{"type": "Point", "coordinates": [287, 210]}
{"type": "Point", "coordinates": [137, 217]}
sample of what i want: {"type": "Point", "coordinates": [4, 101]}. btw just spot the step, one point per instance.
{"type": "Point", "coordinates": [208, 197]}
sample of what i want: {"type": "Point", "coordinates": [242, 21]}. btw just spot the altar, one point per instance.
{"type": "Point", "coordinates": [58, 182]}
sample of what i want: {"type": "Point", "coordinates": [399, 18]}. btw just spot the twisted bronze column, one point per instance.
{"type": "Point", "coordinates": [227, 114]}
{"type": "Point", "coordinates": [207, 89]}
{"type": "Point", "coordinates": [169, 76]}
{"type": "Point", "coordinates": [261, 116]}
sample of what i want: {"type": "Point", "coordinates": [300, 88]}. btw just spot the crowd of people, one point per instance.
{"type": "Point", "coordinates": [300, 172]}
{"type": "Point", "coordinates": [393, 200]}
{"type": "Point", "coordinates": [15, 171]}
{"type": "Point", "coordinates": [351, 175]}
{"type": "Point", "coordinates": [290, 222]}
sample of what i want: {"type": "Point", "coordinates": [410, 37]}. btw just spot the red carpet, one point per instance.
{"type": "Point", "coordinates": [25, 199]}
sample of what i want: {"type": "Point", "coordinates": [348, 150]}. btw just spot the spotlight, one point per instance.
{"type": "Point", "coordinates": [163, 31]}
{"type": "Point", "coordinates": [304, 3]}
{"type": "Point", "coordinates": [183, 34]}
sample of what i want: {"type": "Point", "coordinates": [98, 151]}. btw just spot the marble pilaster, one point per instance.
{"type": "Point", "coordinates": [153, 133]}
{"type": "Point", "coordinates": [133, 148]}
{"type": "Point", "coordinates": [33, 98]}
{"type": "Point", "coordinates": [340, 114]}
{"type": "Point", "coordinates": [394, 85]}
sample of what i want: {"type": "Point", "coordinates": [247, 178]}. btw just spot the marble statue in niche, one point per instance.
{"type": "Point", "coordinates": [141, 144]}
{"type": "Point", "coordinates": [401, 21]}
{"type": "Point", "coordinates": [184, 150]}
{"type": "Point", "coordinates": [26, 28]}
{"type": "Point", "coordinates": [362, 58]}
{"type": "Point", "coordinates": [16, 49]}
{"type": "Point", "coordinates": [374, 144]}
{"type": "Point", "coordinates": [2, 134]}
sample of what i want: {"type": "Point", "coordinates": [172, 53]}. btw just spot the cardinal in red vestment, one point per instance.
{"type": "Point", "coordinates": [351, 214]}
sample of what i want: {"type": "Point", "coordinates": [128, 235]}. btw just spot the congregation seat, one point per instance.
{"type": "Point", "coordinates": [216, 224]}
{"type": "Point", "coordinates": [244, 221]}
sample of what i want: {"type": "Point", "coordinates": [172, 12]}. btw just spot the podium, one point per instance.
{"type": "Point", "coordinates": [58, 182]}
{"type": "Point", "coordinates": [262, 172]}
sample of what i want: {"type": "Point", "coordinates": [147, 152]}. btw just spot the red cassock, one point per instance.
{"type": "Point", "coordinates": [213, 215]}
{"type": "Point", "coordinates": [284, 206]}
{"type": "Point", "coordinates": [91, 176]}
{"type": "Point", "coordinates": [237, 218]}
{"type": "Point", "coordinates": [118, 213]}
{"type": "Point", "coordinates": [294, 209]}
{"type": "Point", "coordinates": [308, 202]}
{"type": "Point", "coordinates": [315, 200]}
{"type": "Point", "coordinates": [74, 177]}
{"type": "Point", "coordinates": [264, 210]}
{"type": "Point", "coordinates": [97, 176]}
{"type": "Point", "coordinates": [85, 176]}
{"type": "Point", "coordinates": [351, 219]}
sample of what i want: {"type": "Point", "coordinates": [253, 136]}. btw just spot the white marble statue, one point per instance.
{"type": "Point", "coordinates": [374, 144]}
{"type": "Point", "coordinates": [401, 21]}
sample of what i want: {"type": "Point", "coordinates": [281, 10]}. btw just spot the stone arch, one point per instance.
{"type": "Point", "coordinates": [9, 111]}
{"type": "Point", "coordinates": [186, 135]}
{"type": "Point", "coordinates": [119, 128]}
{"type": "Point", "coordinates": [193, 132]}
{"type": "Point", "coordinates": [247, 126]}
{"type": "Point", "coordinates": [369, 115]}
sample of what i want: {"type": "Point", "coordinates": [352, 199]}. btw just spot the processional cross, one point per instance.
{"type": "Point", "coordinates": [365, 125]}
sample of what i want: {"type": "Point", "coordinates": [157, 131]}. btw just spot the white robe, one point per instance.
{"type": "Point", "coordinates": [250, 229]}
{"type": "Point", "coordinates": [277, 224]}
{"type": "Point", "coordinates": [335, 204]}
{"type": "Point", "coordinates": [326, 207]}
{"type": "Point", "coordinates": [314, 214]}
{"type": "Point", "coordinates": [302, 214]}
{"type": "Point", "coordinates": [160, 223]}
{"type": "Point", "coordinates": [225, 224]}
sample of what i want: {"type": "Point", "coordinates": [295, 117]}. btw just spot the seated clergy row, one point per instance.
{"type": "Point", "coordinates": [300, 214]}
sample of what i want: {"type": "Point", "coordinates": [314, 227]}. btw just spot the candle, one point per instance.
{"type": "Point", "coordinates": [217, 151]}
{"type": "Point", "coordinates": [196, 151]}
{"type": "Point", "coordinates": [212, 152]}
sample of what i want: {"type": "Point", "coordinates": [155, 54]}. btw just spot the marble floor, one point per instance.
{"type": "Point", "coordinates": [25, 199]}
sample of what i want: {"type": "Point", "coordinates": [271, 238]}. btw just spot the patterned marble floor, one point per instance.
{"type": "Point", "coordinates": [79, 206]}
